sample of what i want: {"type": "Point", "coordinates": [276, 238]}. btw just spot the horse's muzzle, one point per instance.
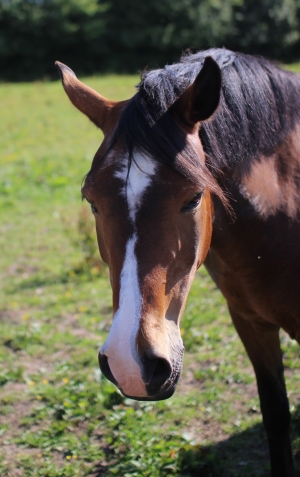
{"type": "Point", "coordinates": [159, 376]}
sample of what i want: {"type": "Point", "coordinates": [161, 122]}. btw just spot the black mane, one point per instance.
{"type": "Point", "coordinates": [260, 104]}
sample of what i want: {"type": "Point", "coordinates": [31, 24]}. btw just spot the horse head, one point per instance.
{"type": "Point", "coordinates": [150, 192]}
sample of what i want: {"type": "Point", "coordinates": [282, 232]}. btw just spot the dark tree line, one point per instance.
{"type": "Point", "coordinates": [128, 35]}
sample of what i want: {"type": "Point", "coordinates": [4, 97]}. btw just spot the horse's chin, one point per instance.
{"type": "Point", "coordinates": [159, 397]}
{"type": "Point", "coordinates": [164, 392]}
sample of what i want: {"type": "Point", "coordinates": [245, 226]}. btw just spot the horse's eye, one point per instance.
{"type": "Point", "coordinates": [94, 209]}
{"type": "Point", "coordinates": [193, 203]}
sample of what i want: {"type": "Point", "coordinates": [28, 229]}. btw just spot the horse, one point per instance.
{"type": "Point", "coordinates": [201, 165]}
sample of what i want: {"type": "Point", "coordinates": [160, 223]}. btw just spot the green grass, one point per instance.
{"type": "Point", "coordinates": [59, 416]}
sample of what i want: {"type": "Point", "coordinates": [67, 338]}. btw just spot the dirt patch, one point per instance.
{"type": "Point", "coordinates": [70, 324]}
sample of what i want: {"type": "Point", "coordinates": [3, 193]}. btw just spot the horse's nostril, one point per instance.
{"type": "Point", "coordinates": [156, 372]}
{"type": "Point", "coordinates": [104, 366]}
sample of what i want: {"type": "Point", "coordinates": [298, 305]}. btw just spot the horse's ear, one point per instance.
{"type": "Point", "coordinates": [88, 101]}
{"type": "Point", "coordinates": [200, 100]}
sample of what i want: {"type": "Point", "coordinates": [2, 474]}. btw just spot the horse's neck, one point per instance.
{"type": "Point", "coordinates": [268, 184]}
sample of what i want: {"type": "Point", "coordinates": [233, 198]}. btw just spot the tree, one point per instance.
{"type": "Point", "coordinates": [35, 33]}
{"type": "Point", "coordinates": [128, 35]}
{"type": "Point", "coordinates": [268, 27]}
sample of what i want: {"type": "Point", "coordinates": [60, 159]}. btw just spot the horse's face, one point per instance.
{"type": "Point", "coordinates": [154, 229]}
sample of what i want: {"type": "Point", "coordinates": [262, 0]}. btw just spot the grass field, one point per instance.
{"type": "Point", "coordinates": [59, 416]}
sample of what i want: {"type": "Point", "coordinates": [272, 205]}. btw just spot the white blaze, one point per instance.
{"type": "Point", "coordinates": [120, 345]}
{"type": "Point", "coordinates": [140, 177]}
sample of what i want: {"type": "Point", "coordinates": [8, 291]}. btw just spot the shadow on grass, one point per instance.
{"type": "Point", "coordinates": [244, 454]}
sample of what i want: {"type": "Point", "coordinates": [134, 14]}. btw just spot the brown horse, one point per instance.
{"type": "Point", "coordinates": [202, 164]}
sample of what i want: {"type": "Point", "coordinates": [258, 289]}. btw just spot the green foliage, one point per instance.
{"type": "Point", "coordinates": [156, 32]}
{"type": "Point", "coordinates": [127, 35]}
{"type": "Point", "coordinates": [11, 374]}
{"type": "Point", "coordinates": [33, 34]}
{"type": "Point", "coordinates": [270, 28]}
